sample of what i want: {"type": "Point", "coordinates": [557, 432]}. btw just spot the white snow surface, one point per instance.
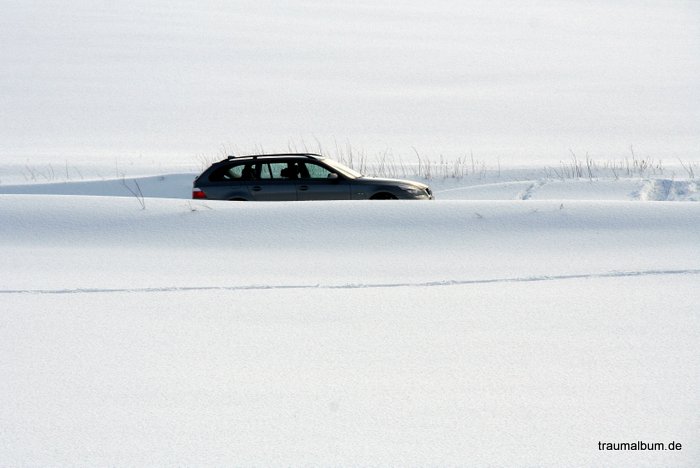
{"type": "Point", "coordinates": [505, 332]}
{"type": "Point", "coordinates": [520, 81]}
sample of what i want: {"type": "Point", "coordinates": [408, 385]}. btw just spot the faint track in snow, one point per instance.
{"type": "Point", "coordinates": [526, 279]}
{"type": "Point", "coordinates": [530, 191]}
{"type": "Point", "coordinates": [669, 190]}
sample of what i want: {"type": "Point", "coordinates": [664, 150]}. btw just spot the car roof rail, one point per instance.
{"type": "Point", "coordinates": [255, 156]}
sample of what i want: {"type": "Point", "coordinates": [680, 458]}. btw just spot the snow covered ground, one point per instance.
{"type": "Point", "coordinates": [512, 331]}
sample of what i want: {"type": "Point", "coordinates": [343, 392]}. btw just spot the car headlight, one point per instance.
{"type": "Point", "coordinates": [412, 189]}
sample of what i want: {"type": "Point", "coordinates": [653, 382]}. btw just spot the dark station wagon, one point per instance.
{"type": "Point", "coordinates": [306, 176]}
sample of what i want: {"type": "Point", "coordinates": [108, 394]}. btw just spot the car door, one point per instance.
{"type": "Point", "coordinates": [317, 182]}
{"type": "Point", "coordinates": [230, 182]}
{"type": "Point", "coordinates": [271, 184]}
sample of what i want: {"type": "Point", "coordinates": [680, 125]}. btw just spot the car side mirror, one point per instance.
{"type": "Point", "coordinates": [332, 176]}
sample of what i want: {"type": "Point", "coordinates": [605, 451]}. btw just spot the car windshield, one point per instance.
{"type": "Point", "coordinates": [343, 169]}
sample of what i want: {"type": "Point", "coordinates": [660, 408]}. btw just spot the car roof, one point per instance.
{"type": "Point", "coordinates": [276, 155]}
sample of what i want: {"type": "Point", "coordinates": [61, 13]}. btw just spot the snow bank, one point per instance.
{"type": "Point", "coordinates": [332, 243]}
{"type": "Point", "coordinates": [157, 186]}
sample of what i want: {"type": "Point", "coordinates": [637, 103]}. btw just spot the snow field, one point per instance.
{"type": "Point", "coordinates": [505, 374]}
{"type": "Point", "coordinates": [547, 301]}
{"type": "Point", "coordinates": [504, 79]}
{"type": "Point", "coordinates": [409, 333]}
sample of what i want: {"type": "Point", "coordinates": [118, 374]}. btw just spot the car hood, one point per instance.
{"type": "Point", "coordinates": [380, 181]}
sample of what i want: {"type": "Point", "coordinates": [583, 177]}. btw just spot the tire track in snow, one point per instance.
{"type": "Point", "coordinates": [525, 279]}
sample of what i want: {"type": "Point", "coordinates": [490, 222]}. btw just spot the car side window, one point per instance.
{"type": "Point", "coordinates": [315, 171]}
{"type": "Point", "coordinates": [271, 170]}
{"type": "Point", "coordinates": [279, 170]}
{"type": "Point", "coordinates": [240, 171]}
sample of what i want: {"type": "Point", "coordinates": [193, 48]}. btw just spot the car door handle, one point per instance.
{"type": "Point", "coordinates": [256, 188]}
{"type": "Point", "coordinates": [303, 188]}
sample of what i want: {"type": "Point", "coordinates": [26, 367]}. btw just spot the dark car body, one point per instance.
{"type": "Point", "coordinates": [287, 177]}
